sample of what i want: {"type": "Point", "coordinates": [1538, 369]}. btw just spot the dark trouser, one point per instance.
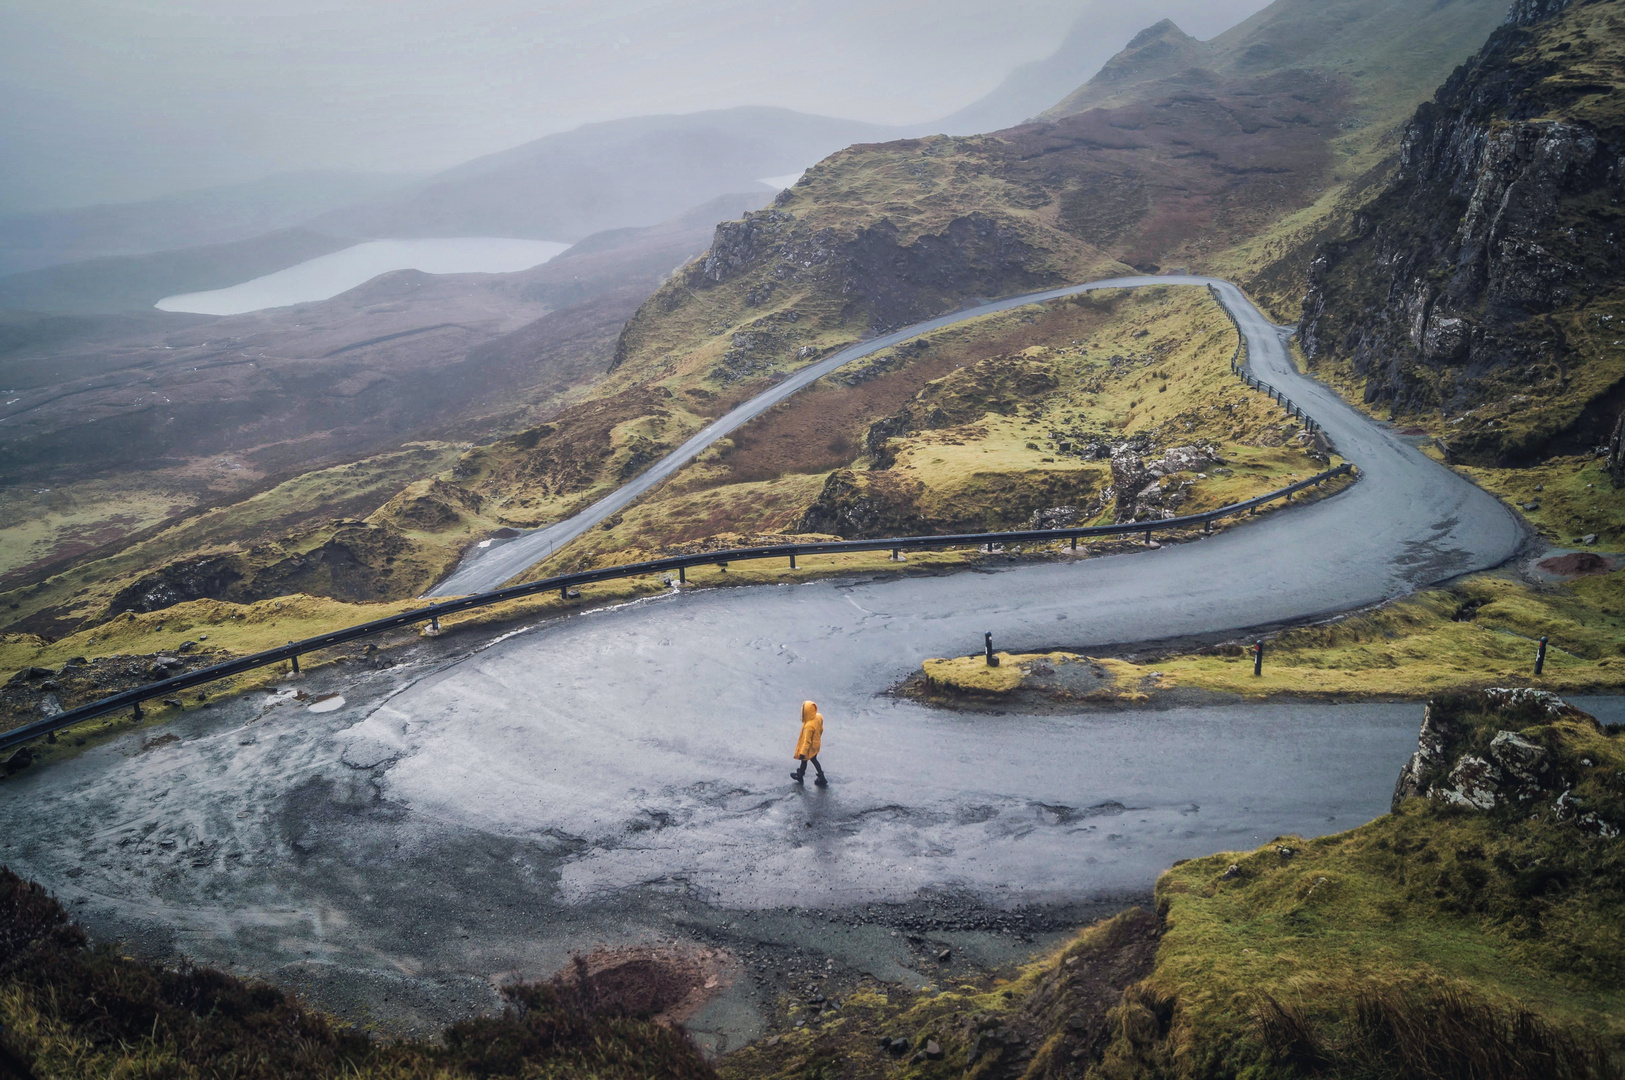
{"type": "Point", "coordinates": [803, 770]}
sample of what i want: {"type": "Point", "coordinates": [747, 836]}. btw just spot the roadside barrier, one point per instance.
{"type": "Point", "coordinates": [1238, 367]}
{"type": "Point", "coordinates": [680, 564]}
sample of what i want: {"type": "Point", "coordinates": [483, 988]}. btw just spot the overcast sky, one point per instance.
{"type": "Point", "coordinates": [127, 99]}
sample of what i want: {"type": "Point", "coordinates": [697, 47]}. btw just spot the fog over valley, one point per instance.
{"type": "Point", "coordinates": [840, 540]}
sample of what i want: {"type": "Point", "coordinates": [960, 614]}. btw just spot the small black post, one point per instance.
{"type": "Point", "coordinates": [434, 623]}
{"type": "Point", "coordinates": [1074, 543]}
{"type": "Point", "coordinates": [1207, 527]}
{"type": "Point", "coordinates": [1148, 538]}
{"type": "Point", "coordinates": [295, 659]}
{"type": "Point", "coordinates": [1258, 658]}
{"type": "Point", "coordinates": [792, 560]}
{"type": "Point", "coordinates": [682, 575]}
{"type": "Point", "coordinates": [135, 713]}
{"type": "Point", "coordinates": [564, 592]}
{"type": "Point", "coordinates": [894, 554]}
{"type": "Point", "coordinates": [987, 645]}
{"type": "Point", "coordinates": [1540, 656]}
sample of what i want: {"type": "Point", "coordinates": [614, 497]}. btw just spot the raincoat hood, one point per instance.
{"type": "Point", "coordinates": [812, 731]}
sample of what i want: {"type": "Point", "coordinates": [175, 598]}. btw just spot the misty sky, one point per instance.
{"type": "Point", "coordinates": [116, 100]}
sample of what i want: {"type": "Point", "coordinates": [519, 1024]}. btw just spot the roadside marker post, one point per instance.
{"type": "Point", "coordinates": [987, 646]}
{"type": "Point", "coordinates": [1540, 655]}
{"type": "Point", "coordinates": [1258, 658]}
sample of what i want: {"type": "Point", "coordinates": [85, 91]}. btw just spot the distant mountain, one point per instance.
{"type": "Point", "coordinates": [606, 176]}
{"type": "Point", "coordinates": [1033, 88]}
{"type": "Point", "coordinates": [1388, 50]}
{"type": "Point", "coordinates": [212, 216]}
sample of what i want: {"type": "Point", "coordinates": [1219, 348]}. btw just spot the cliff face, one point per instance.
{"type": "Point", "coordinates": [1485, 279]}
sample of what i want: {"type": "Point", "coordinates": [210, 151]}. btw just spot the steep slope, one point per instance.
{"type": "Point", "coordinates": [1480, 289]}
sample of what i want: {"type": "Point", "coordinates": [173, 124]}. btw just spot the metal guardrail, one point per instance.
{"type": "Point", "coordinates": [1238, 368]}
{"type": "Point", "coordinates": [680, 564]}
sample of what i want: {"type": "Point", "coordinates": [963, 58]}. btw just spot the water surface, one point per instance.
{"type": "Point", "coordinates": [328, 275]}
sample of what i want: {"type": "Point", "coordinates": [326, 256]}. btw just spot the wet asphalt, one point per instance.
{"type": "Point", "coordinates": [480, 810]}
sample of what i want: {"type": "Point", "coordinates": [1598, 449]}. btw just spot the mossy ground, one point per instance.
{"type": "Point", "coordinates": [1516, 908]}
{"type": "Point", "coordinates": [1479, 632]}
{"type": "Point", "coordinates": [289, 519]}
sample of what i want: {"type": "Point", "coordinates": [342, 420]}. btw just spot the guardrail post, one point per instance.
{"type": "Point", "coordinates": [1148, 538]}
{"type": "Point", "coordinates": [987, 646]}
{"type": "Point", "coordinates": [792, 560]}
{"type": "Point", "coordinates": [1074, 543]}
{"type": "Point", "coordinates": [136, 713]}
{"type": "Point", "coordinates": [1207, 527]}
{"type": "Point", "coordinates": [434, 623]}
{"type": "Point", "coordinates": [1258, 658]}
{"type": "Point", "coordinates": [682, 575]}
{"type": "Point", "coordinates": [1540, 656]}
{"type": "Point", "coordinates": [295, 660]}
{"type": "Point", "coordinates": [564, 592]}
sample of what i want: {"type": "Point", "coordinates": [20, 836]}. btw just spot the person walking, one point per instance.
{"type": "Point", "coordinates": [812, 737]}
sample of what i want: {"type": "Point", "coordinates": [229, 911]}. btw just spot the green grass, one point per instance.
{"type": "Point", "coordinates": [290, 518]}
{"type": "Point", "coordinates": [1429, 909]}
{"type": "Point", "coordinates": [1479, 632]}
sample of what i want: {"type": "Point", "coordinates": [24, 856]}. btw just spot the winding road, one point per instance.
{"type": "Point", "coordinates": [486, 569]}
{"type": "Point", "coordinates": [621, 774]}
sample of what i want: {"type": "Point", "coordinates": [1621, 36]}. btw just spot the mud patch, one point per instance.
{"type": "Point", "coordinates": [1579, 564]}
{"type": "Point", "coordinates": [666, 985]}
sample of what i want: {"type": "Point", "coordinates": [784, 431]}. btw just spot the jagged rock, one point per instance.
{"type": "Point", "coordinates": [1614, 459]}
{"type": "Point", "coordinates": [1429, 757]}
{"type": "Point", "coordinates": [1473, 782]}
{"type": "Point", "coordinates": [1527, 12]}
{"type": "Point", "coordinates": [1442, 293]}
{"type": "Point", "coordinates": [22, 759]}
{"type": "Point", "coordinates": [1056, 517]}
{"type": "Point", "coordinates": [1511, 697]}
{"type": "Point", "coordinates": [1518, 757]}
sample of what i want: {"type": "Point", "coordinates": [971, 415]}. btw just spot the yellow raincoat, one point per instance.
{"type": "Point", "coordinates": [812, 731]}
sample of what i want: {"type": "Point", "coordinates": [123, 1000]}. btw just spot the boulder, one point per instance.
{"type": "Point", "coordinates": [1519, 758]}
{"type": "Point", "coordinates": [1473, 782]}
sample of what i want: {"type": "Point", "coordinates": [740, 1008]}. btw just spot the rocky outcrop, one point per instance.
{"type": "Point", "coordinates": [1529, 12]}
{"type": "Point", "coordinates": [867, 504]}
{"type": "Point", "coordinates": [880, 278]}
{"type": "Point", "coordinates": [1501, 749]}
{"type": "Point", "coordinates": [1616, 453]}
{"type": "Point", "coordinates": [1154, 490]}
{"type": "Point", "coordinates": [1500, 213]}
{"type": "Point", "coordinates": [211, 577]}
